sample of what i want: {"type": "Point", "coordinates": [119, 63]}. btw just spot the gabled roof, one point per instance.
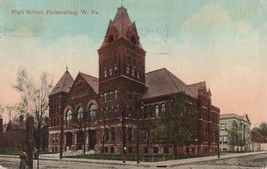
{"type": "Point", "coordinates": [258, 137]}
{"type": "Point", "coordinates": [64, 84]}
{"type": "Point", "coordinates": [92, 81]}
{"type": "Point", "coordinates": [122, 21]}
{"type": "Point", "coordinates": [162, 82]}
{"type": "Point", "coordinates": [195, 87]}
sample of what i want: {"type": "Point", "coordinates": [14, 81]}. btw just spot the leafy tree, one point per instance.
{"type": "Point", "coordinates": [262, 128]}
{"type": "Point", "coordinates": [34, 98]}
{"type": "Point", "coordinates": [177, 124]}
{"type": "Point", "coordinates": [235, 135]}
{"type": "Point", "coordinates": [2, 109]}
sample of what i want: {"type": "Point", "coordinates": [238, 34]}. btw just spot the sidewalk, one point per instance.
{"type": "Point", "coordinates": [170, 163]}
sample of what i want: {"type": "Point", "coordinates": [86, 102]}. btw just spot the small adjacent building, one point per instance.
{"type": "Point", "coordinates": [259, 141]}
{"type": "Point", "coordinates": [226, 124]}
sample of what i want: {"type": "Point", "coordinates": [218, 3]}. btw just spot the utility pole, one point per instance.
{"type": "Point", "coordinates": [139, 109]}
{"type": "Point", "coordinates": [218, 144]}
{"type": "Point", "coordinates": [29, 140]}
{"type": "Point", "coordinates": [123, 135]}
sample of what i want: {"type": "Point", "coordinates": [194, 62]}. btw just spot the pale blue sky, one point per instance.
{"type": "Point", "coordinates": [222, 42]}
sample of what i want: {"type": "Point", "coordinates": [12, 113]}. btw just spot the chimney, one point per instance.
{"type": "Point", "coordinates": [1, 125]}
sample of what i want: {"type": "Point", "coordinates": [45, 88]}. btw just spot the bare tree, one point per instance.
{"type": "Point", "coordinates": [34, 98]}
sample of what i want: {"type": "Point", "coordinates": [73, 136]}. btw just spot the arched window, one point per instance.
{"type": "Point", "coordinates": [80, 114]}
{"type": "Point", "coordinates": [133, 40]}
{"type": "Point", "coordinates": [69, 117]}
{"type": "Point", "coordinates": [110, 38]}
{"type": "Point", "coordinates": [91, 112]}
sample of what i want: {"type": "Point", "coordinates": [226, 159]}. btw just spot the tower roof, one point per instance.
{"type": "Point", "coordinates": [122, 21]}
{"type": "Point", "coordinates": [64, 84]}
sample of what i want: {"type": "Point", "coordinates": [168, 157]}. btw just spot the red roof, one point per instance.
{"type": "Point", "coordinates": [162, 82]}
{"type": "Point", "coordinates": [195, 87]}
{"type": "Point", "coordinates": [258, 137]}
{"type": "Point", "coordinates": [92, 81]}
{"type": "Point", "coordinates": [122, 21]}
{"type": "Point", "coordinates": [64, 84]}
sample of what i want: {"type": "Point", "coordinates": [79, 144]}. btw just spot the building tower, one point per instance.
{"type": "Point", "coordinates": [121, 75]}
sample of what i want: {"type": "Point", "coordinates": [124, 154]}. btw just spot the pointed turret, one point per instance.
{"type": "Point", "coordinates": [64, 84]}
{"type": "Point", "coordinates": [121, 27]}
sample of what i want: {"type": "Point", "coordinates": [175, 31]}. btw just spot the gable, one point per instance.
{"type": "Point", "coordinates": [84, 85]}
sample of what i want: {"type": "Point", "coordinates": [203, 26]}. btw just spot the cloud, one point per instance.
{"type": "Point", "coordinates": [233, 65]}
{"type": "Point", "coordinates": [79, 53]}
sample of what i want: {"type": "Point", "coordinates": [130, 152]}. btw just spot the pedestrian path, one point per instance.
{"type": "Point", "coordinates": [170, 163]}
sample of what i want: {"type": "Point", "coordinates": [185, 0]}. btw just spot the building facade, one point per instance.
{"type": "Point", "coordinates": [108, 114]}
{"type": "Point", "coordinates": [226, 124]}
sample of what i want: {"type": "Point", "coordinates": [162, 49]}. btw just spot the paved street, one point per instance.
{"type": "Point", "coordinates": [231, 161]}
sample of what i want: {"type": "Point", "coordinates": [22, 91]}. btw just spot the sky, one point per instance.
{"type": "Point", "coordinates": [221, 42]}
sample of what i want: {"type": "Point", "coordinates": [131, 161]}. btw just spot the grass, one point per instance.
{"type": "Point", "coordinates": [9, 151]}
{"type": "Point", "coordinates": [131, 157]}
{"type": "Point", "coordinates": [15, 151]}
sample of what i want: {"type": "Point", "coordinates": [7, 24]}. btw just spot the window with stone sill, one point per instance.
{"type": "Point", "coordinates": [112, 133]}
{"type": "Point", "coordinates": [130, 134]}
{"type": "Point", "coordinates": [106, 134]}
{"type": "Point", "coordinates": [128, 70]}
{"type": "Point", "coordinates": [133, 72]}
{"type": "Point", "coordinates": [138, 74]}
{"type": "Point", "coordinates": [157, 111]}
{"type": "Point", "coordinates": [116, 94]}
{"type": "Point", "coordinates": [115, 69]}
{"type": "Point", "coordinates": [110, 71]}
{"type": "Point", "coordinates": [105, 73]}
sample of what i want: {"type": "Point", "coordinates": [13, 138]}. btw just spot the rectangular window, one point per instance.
{"type": "Point", "coordinates": [221, 140]}
{"type": "Point", "coordinates": [133, 72]}
{"type": "Point", "coordinates": [130, 134]}
{"type": "Point", "coordinates": [106, 149]}
{"type": "Point", "coordinates": [138, 74]}
{"type": "Point", "coordinates": [106, 134]}
{"type": "Point", "coordinates": [145, 150]}
{"type": "Point", "coordinates": [105, 73]}
{"type": "Point", "coordinates": [162, 108]}
{"type": "Point", "coordinates": [130, 150]}
{"type": "Point", "coordinates": [130, 95]}
{"type": "Point", "coordinates": [166, 150]}
{"type": "Point", "coordinates": [225, 140]}
{"type": "Point", "coordinates": [115, 69]}
{"type": "Point", "coordinates": [155, 150]}
{"type": "Point", "coordinates": [225, 126]}
{"type": "Point", "coordinates": [157, 111]}
{"type": "Point", "coordinates": [222, 126]}
{"type": "Point", "coordinates": [145, 112]}
{"type": "Point", "coordinates": [128, 70]}
{"type": "Point", "coordinates": [112, 150]}
{"type": "Point", "coordinates": [115, 112]}
{"type": "Point", "coordinates": [110, 71]}
{"type": "Point", "coordinates": [112, 133]}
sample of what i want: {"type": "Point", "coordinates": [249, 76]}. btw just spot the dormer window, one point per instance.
{"type": "Point", "coordinates": [133, 40]}
{"type": "Point", "coordinates": [110, 38]}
